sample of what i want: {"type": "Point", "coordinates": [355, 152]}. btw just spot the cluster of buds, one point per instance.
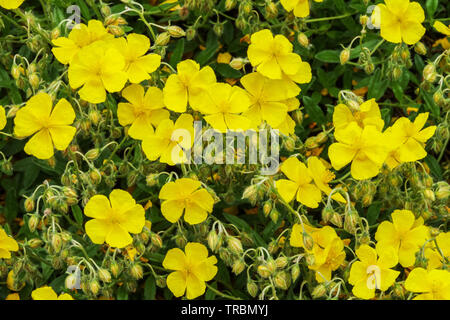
{"type": "Point", "coordinates": [399, 59]}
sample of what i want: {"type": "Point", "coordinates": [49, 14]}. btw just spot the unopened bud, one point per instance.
{"type": "Point", "coordinates": [344, 56]}
{"type": "Point", "coordinates": [176, 31]}
{"type": "Point", "coordinates": [162, 39]}
{"type": "Point", "coordinates": [94, 287]}
{"type": "Point", "coordinates": [136, 271]}
{"type": "Point", "coordinates": [282, 280]}
{"type": "Point", "coordinates": [238, 266]}
{"type": "Point", "coordinates": [92, 154]}
{"type": "Point", "coordinates": [319, 291]}
{"type": "Point", "coordinates": [308, 241]}
{"type": "Point", "coordinates": [429, 73]}
{"type": "Point", "coordinates": [235, 245]}
{"type": "Point", "coordinates": [29, 204]}
{"type": "Point", "coordinates": [238, 63]}
{"type": "Point", "coordinates": [420, 48]}
{"type": "Point", "coordinates": [213, 240]}
{"type": "Point", "coordinates": [252, 288]}
{"type": "Point", "coordinates": [156, 240]}
{"type": "Point", "coordinates": [303, 40]}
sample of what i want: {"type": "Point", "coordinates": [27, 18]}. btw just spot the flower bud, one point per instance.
{"type": "Point", "coordinates": [303, 40]}
{"type": "Point", "coordinates": [351, 221]}
{"type": "Point", "coordinates": [93, 154]}
{"type": "Point", "coordinates": [363, 19]}
{"type": "Point", "coordinates": [344, 56]}
{"type": "Point", "coordinates": [162, 39]}
{"type": "Point", "coordinates": [282, 280]}
{"type": "Point", "coordinates": [33, 222]}
{"type": "Point", "coordinates": [319, 291]}
{"type": "Point", "coordinates": [429, 194]}
{"type": "Point", "coordinates": [327, 213]}
{"type": "Point", "coordinates": [267, 207]}
{"type": "Point", "coordinates": [35, 243]}
{"type": "Point", "coordinates": [152, 179]}
{"type": "Point", "coordinates": [136, 271]}
{"type": "Point", "coordinates": [238, 63]}
{"type": "Point", "coordinates": [34, 80]}
{"type": "Point", "coordinates": [271, 10]}
{"type": "Point", "coordinates": [336, 219]}
{"type": "Point", "coordinates": [176, 31]}
{"type": "Point", "coordinates": [94, 287]}
{"type": "Point", "coordinates": [238, 266]}
{"type": "Point", "coordinates": [420, 48]}
{"type": "Point", "coordinates": [310, 259]}
{"type": "Point", "coordinates": [29, 204]}
{"type": "Point", "coordinates": [252, 288]}
{"type": "Point", "coordinates": [230, 4]}
{"type": "Point", "coordinates": [213, 240]}
{"type": "Point", "coordinates": [161, 282]}
{"type": "Point", "coordinates": [115, 269]}
{"type": "Point", "coordinates": [274, 215]}
{"type": "Point", "coordinates": [235, 245]}
{"type": "Point", "coordinates": [443, 190]}
{"type": "Point", "coordinates": [71, 282]}
{"type": "Point", "coordinates": [56, 242]}
{"type": "Point", "coordinates": [263, 271]}
{"type": "Point", "coordinates": [156, 240]}
{"type": "Point", "coordinates": [295, 272]}
{"type": "Point", "coordinates": [281, 262]}
{"type": "Point", "coordinates": [429, 73]}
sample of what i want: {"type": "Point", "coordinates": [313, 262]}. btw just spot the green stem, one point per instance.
{"type": "Point", "coordinates": [442, 151]}
{"type": "Point", "coordinates": [223, 295]}
{"type": "Point", "coordinates": [377, 46]}
{"type": "Point", "coordinates": [330, 18]}
{"type": "Point", "coordinates": [117, 148]}
{"type": "Point", "coordinates": [341, 178]}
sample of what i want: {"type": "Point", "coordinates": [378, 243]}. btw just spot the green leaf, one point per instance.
{"type": "Point", "coordinates": [177, 53]}
{"type": "Point", "coordinates": [434, 166]}
{"type": "Point", "coordinates": [373, 212]}
{"type": "Point", "coordinates": [150, 288]}
{"type": "Point", "coordinates": [78, 215]}
{"type": "Point", "coordinates": [226, 71]}
{"type": "Point", "coordinates": [244, 225]}
{"type": "Point", "coordinates": [314, 111]}
{"type": "Point", "coordinates": [431, 6]}
{"type": "Point", "coordinates": [122, 293]}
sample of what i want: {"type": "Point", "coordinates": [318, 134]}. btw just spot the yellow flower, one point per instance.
{"type": "Point", "coordinates": [50, 128]}
{"type": "Point", "coordinates": [184, 195]}
{"type": "Point", "coordinates": [362, 147]}
{"type": "Point", "coordinates": [226, 103]}
{"type": "Point", "coordinates": [273, 56]}
{"type": "Point", "coordinates": [300, 183]}
{"type": "Point", "coordinates": [11, 4]}
{"type": "Point", "coordinates": [13, 296]}
{"type": "Point", "coordinates": [138, 65]}
{"type": "Point", "coordinates": [47, 293]}
{"type": "Point", "coordinates": [442, 28]}
{"type": "Point", "coordinates": [188, 85]}
{"type": "Point", "coordinates": [97, 68]}
{"type": "Point", "coordinates": [192, 269]}
{"type": "Point", "coordinates": [405, 234]}
{"type": "Point", "coordinates": [372, 273]}
{"type": "Point", "coordinates": [2, 118]}
{"type": "Point", "coordinates": [224, 57]}
{"type": "Point", "coordinates": [171, 142]}
{"type": "Point", "coordinates": [328, 249]}
{"type": "Point", "coordinates": [401, 20]}
{"type": "Point", "coordinates": [7, 244]}
{"type": "Point", "coordinates": [434, 255]}
{"type": "Point", "coordinates": [367, 114]}
{"type": "Point", "coordinates": [80, 37]}
{"type": "Point", "coordinates": [300, 7]}
{"type": "Point", "coordinates": [322, 177]}
{"type": "Point", "coordinates": [268, 99]}
{"type": "Point", "coordinates": [114, 219]}
{"type": "Point", "coordinates": [409, 138]}
{"type": "Point", "coordinates": [432, 284]}
{"type": "Point", "coordinates": [143, 110]}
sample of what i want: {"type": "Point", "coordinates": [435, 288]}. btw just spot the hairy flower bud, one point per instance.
{"type": "Point", "coordinates": [176, 31]}
{"type": "Point", "coordinates": [252, 288]}
{"type": "Point", "coordinates": [344, 56]}
{"type": "Point", "coordinates": [303, 40]}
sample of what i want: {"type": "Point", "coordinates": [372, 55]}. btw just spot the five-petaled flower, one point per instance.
{"type": "Point", "coordinates": [50, 128]}
{"type": "Point", "coordinates": [192, 269]}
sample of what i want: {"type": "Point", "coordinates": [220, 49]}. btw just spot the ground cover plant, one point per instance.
{"type": "Point", "coordinates": [121, 177]}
